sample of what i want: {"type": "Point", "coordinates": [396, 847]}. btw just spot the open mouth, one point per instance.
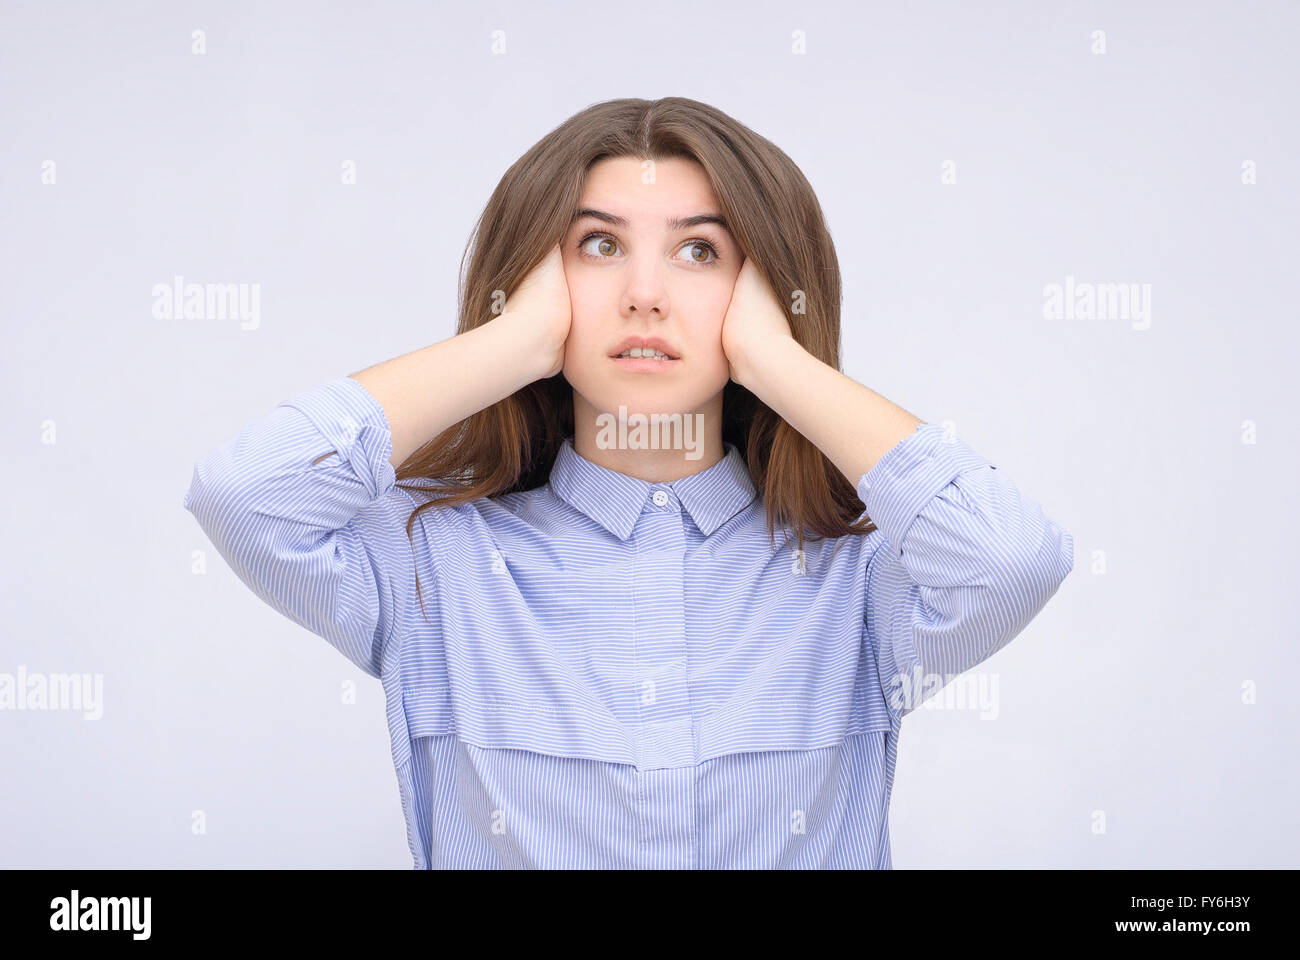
{"type": "Point", "coordinates": [646, 362]}
{"type": "Point", "coordinates": [644, 353]}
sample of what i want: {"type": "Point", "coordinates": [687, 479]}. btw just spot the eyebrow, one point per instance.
{"type": "Point", "coordinates": [673, 223]}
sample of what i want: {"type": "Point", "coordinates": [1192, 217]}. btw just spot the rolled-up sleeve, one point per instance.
{"type": "Point", "coordinates": [963, 562]}
{"type": "Point", "coordinates": [302, 505]}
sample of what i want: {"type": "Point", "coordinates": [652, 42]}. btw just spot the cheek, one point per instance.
{"type": "Point", "coordinates": [707, 316]}
{"type": "Point", "coordinates": [718, 298]}
{"type": "Point", "coordinates": [585, 346]}
{"type": "Point", "coordinates": [585, 330]}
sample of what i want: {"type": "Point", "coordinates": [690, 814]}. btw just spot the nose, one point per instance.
{"type": "Point", "coordinates": [645, 294]}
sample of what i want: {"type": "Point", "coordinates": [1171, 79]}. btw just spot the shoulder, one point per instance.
{"type": "Point", "coordinates": [751, 525]}
{"type": "Point", "coordinates": [501, 509]}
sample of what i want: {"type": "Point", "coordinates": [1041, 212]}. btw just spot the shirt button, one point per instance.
{"type": "Point", "coordinates": [660, 498]}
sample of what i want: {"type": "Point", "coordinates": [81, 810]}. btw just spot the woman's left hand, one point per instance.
{"type": "Point", "coordinates": [754, 321]}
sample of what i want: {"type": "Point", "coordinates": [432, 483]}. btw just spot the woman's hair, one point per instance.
{"type": "Point", "coordinates": [777, 222]}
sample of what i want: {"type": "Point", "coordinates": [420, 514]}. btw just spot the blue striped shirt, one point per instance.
{"type": "Point", "coordinates": [612, 673]}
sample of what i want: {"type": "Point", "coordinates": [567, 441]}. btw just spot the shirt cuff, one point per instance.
{"type": "Point", "coordinates": [354, 424]}
{"type": "Point", "coordinates": [909, 476]}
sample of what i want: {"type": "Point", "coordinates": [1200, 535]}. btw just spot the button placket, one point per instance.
{"type": "Point", "coordinates": [665, 735]}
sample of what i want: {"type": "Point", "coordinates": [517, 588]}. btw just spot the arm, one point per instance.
{"type": "Point", "coordinates": [966, 560]}
{"type": "Point", "coordinates": [425, 392]}
{"type": "Point", "coordinates": [852, 424]}
{"type": "Point", "coordinates": [471, 371]}
{"type": "Point", "coordinates": [302, 503]}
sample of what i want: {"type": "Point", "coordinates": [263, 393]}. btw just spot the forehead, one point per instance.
{"type": "Point", "coordinates": [634, 188]}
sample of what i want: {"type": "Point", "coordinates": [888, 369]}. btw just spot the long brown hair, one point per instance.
{"type": "Point", "coordinates": [777, 222]}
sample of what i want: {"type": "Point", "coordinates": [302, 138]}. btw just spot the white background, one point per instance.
{"type": "Point", "coordinates": [1124, 696]}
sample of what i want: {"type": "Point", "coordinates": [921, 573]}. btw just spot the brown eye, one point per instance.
{"type": "Point", "coordinates": [700, 250]}
{"type": "Point", "coordinates": [605, 246]}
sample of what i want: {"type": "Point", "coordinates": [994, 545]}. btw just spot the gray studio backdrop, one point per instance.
{"type": "Point", "coordinates": [1067, 232]}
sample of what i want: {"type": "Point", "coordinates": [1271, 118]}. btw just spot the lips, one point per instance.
{"type": "Point", "coordinates": [644, 364]}
{"type": "Point", "coordinates": [650, 343]}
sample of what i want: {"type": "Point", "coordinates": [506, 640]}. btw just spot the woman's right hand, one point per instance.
{"type": "Point", "coordinates": [541, 312]}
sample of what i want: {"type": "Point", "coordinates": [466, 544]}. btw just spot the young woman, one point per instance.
{"type": "Point", "coordinates": [595, 650]}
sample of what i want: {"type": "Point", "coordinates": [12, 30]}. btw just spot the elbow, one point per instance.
{"type": "Point", "coordinates": [1053, 561]}
{"type": "Point", "coordinates": [958, 628]}
{"type": "Point", "coordinates": [1029, 576]}
{"type": "Point", "coordinates": [221, 503]}
{"type": "Point", "coordinates": [197, 494]}
{"type": "Point", "coordinates": [210, 476]}
{"type": "Point", "coordinates": [194, 493]}
{"type": "Point", "coordinates": [205, 492]}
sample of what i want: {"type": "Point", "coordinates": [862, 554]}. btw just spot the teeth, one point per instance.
{"type": "Point", "coordinates": [644, 352]}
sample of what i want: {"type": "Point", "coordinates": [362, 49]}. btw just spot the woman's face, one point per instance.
{"type": "Point", "coordinates": [633, 272]}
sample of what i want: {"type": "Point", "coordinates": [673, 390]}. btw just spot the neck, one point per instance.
{"type": "Point", "coordinates": [657, 448]}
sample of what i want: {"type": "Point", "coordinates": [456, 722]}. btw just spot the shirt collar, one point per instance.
{"type": "Point", "coordinates": [615, 500]}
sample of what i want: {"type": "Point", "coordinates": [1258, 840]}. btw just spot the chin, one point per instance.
{"type": "Point", "coordinates": [643, 400]}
